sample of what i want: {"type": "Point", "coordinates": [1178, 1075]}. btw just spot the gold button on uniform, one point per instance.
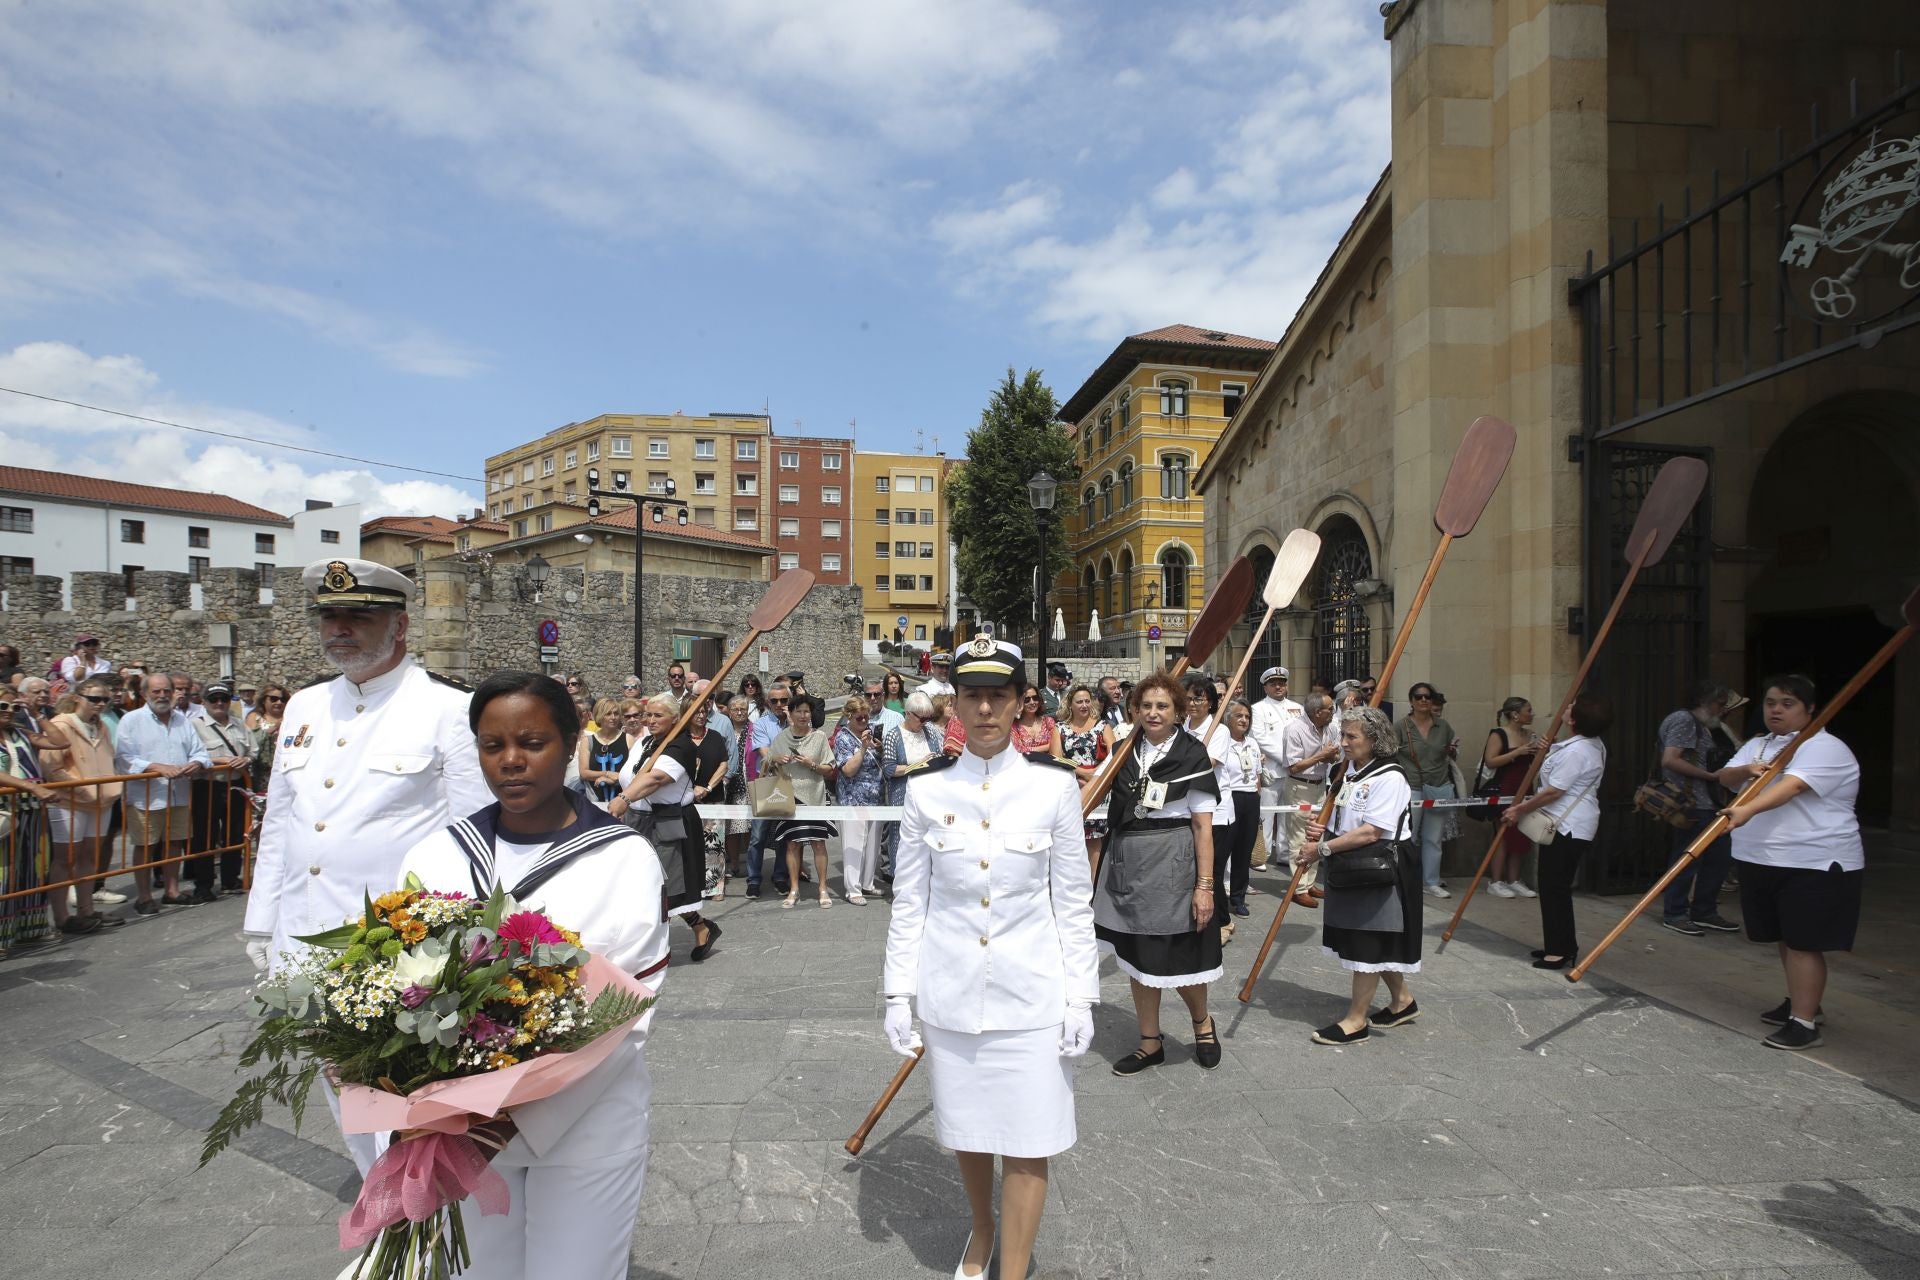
{"type": "Point", "coordinates": [986, 823]}
{"type": "Point", "coordinates": [319, 826]}
{"type": "Point", "coordinates": [329, 781]}
{"type": "Point", "coordinates": [341, 743]}
{"type": "Point", "coordinates": [983, 939]}
{"type": "Point", "coordinates": [361, 707]}
{"type": "Point", "coordinates": [983, 902]}
{"type": "Point", "coordinates": [983, 864]}
{"type": "Point", "coordinates": [314, 870]}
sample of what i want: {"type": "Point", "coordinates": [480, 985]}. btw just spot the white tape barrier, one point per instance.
{"type": "Point", "coordinates": [893, 812]}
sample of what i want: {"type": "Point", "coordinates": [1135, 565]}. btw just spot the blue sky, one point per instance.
{"type": "Point", "coordinates": [420, 234]}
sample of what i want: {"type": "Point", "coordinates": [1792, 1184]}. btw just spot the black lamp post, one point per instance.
{"type": "Point", "coordinates": [1040, 491]}
{"type": "Point", "coordinates": [656, 504]}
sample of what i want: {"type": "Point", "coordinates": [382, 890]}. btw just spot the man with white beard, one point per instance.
{"type": "Point", "coordinates": [368, 765]}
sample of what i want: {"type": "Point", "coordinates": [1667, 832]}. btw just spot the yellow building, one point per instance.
{"type": "Point", "coordinates": [902, 553]}
{"type": "Point", "coordinates": [716, 463]}
{"type": "Point", "coordinates": [1143, 424]}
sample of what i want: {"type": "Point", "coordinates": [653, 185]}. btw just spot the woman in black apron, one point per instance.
{"type": "Point", "coordinates": [659, 805]}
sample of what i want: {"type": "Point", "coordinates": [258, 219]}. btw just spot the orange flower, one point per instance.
{"type": "Point", "coordinates": [500, 1061]}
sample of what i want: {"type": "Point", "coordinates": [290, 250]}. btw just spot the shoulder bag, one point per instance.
{"type": "Point", "coordinates": [771, 796]}
{"type": "Point", "coordinates": [1661, 800]}
{"type": "Point", "coordinates": [1486, 787]}
{"type": "Point", "coordinates": [1542, 825]}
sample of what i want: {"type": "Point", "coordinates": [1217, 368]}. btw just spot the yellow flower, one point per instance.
{"type": "Point", "coordinates": [500, 1061]}
{"type": "Point", "coordinates": [388, 902]}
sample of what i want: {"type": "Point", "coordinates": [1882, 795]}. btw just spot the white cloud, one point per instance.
{"type": "Point", "coordinates": [49, 436]}
{"type": "Point", "coordinates": [1022, 210]}
{"type": "Point", "coordinates": [1265, 173]}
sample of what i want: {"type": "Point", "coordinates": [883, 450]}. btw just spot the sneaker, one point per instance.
{"type": "Point", "coordinates": [1432, 891]}
{"type": "Point", "coordinates": [1385, 1018]}
{"type": "Point", "coordinates": [1782, 1013]}
{"type": "Point", "coordinates": [1716, 922]}
{"type": "Point", "coordinates": [1499, 889]}
{"type": "Point", "coordinates": [753, 891]}
{"type": "Point", "coordinates": [1520, 890]}
{"type": "Point", "coordinates": [1794, 1035]}
{"type": "Point", "coordinates": [1684, 925]}
{"type": "Point", "coordinates": [1332, 1033]}
{"type": "Point", "coordinates": [107, 897]}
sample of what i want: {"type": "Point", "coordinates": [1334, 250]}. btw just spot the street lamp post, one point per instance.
{"type": "Point", "coordinates": [1040, 491]}
{"type": "Point", "coordinates": [654, 504]}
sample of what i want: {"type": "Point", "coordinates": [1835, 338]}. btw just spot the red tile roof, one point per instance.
{"type": "Point", "coordinates": [1204, 345]}
{"type": "Point", "coordinates": [624, 519]}
{"type": "Point", "coordinates": [61, 486]}
{"type": "Point", "coordinates": [433, 528]}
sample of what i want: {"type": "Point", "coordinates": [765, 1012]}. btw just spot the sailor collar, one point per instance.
{"type": "Point", "coordinates": [591, 828]}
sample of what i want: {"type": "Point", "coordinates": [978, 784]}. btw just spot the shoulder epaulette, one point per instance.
{"type": "Point", "coordinates": [320, 679]}
{"type": "Point", "coordinates": [450, 681]}
{"type": "Point", "coordinates": [932, 764]}
{"type": "Point", "coordinates": [1041, 758]}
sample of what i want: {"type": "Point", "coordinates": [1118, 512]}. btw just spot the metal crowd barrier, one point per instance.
{"type": "Point", "coordinates": [893, 812]}
{"type": "Point", "coordinates": [29, 858]}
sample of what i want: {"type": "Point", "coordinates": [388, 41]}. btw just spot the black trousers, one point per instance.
{"type": "Point", "coordinates": [1242, 834]}
{"type": "Point", "coordinates": [1559, 859]}
{"type": "Point", "coordinates": [218, 819]}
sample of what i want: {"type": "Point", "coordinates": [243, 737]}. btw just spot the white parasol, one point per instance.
{"type": "Point", "coordinates": [1093, 627]}
{"type": "Point", "coordinates": [1059, 624]}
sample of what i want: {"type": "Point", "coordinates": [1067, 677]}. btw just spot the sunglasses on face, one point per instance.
{"type": "Point", "coordinates": [1423, 697]}
{"type": "Point", "coordinates": [98, 702]}
{"type": "Point", "coordinates": [218, 697]}
{"type": "Point", "coordinates": [573, 684]}
{"type": "Point", "coordinates": [1031, 697]}
{"type": "Point", "coordinates": [776, 702]}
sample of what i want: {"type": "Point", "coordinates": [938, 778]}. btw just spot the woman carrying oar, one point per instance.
{"type": "Point", "coordinates": [1798, 841]}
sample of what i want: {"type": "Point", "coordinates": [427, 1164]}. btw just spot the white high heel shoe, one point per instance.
{"type": "Point", "coordinates": [960, 1271]}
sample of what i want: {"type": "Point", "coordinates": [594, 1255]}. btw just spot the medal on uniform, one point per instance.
{"type": "Point", "coordinates": [300, 739]}
{"type": "Point", "coordinates": [948, 819]}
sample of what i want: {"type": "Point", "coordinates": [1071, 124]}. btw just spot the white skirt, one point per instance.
{"type": "Point", "coordinates": [1007, 1093]}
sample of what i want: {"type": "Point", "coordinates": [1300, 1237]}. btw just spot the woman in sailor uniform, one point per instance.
{"type": "Point", "coordinates": [1375, 931]}
{"type": "Point", "coordinates": [659, 805]}
{"type": "Point", "coordinates": [992, 936]}
{"type": "Point", "coordinates": [576, 1162]}
{"type": "Point", "coordinates": [1154, 906]}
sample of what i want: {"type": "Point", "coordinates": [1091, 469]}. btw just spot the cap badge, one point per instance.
{"type": "Point", "coordinates": [339, 577]}
{"type": "Point", "coordinates": [981, 647]}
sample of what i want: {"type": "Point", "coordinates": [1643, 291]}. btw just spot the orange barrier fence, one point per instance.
{"type": "Point", "coordinates": [218, 820]}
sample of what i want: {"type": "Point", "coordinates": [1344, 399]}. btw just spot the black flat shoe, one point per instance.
{"type": "Point", "coordinates": [147, 908]}
{"type": "Point", "coordinates": [1539, 954]}
{"type": "Point", "coordinates": [1206, 1045]}
{"type": "Point", "coordinates": [1136, 1062]}
{"type": "Point", "coordinates": [1388, 1017]}
{"type": "Point", "coordinates": [1544, 963]}
{"type": "Point", "coordinates": [1334, 1033]}
{"type": "Point", "coordinates": [80, 924]}
{"type": "Point", "coordinates": [175, 900]}
{"type": "Point", "coordinates": [705, 949]}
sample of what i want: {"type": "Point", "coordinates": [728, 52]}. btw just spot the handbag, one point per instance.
{"type": "Point", "coordinates": [771, 796]}
{"type": "Point", "coordinates": [1661, 800]}
{"type": "Point", "coordinates": [1373, 866]}
{"type": "Point", "coordinates": [1541, 826]}
{"type": "Point", "coordinates": [1486, 790]}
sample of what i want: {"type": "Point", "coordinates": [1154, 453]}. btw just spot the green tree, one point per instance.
{"type": "Point", "coordinates": [993, 525]}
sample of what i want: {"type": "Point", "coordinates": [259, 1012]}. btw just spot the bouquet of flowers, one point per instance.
{"type": "Point", "coordinates": [433, 1012]}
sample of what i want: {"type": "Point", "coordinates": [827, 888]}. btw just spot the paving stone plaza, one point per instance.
{"type": "Point", "coordinates": [1630, 1125]}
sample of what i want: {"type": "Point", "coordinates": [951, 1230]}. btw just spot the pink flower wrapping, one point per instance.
{"type": "Point", "coordinates": [414, 1179]}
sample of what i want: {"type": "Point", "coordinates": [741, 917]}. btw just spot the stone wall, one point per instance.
{"type": "Point", "coordinates": [466, 621]}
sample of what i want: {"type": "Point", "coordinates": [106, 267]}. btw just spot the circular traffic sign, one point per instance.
{"type": "Point", "coordinates": [1153, 633]}
{"type": "Point", "coordinates": [900, 621]}
{"type": "Point", "coordinates": [549, 632]}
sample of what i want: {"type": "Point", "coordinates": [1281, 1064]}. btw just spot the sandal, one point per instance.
{"type": "Point", "coordinates": [825, 900]}
{"type": "Point", "coordinates": [1206, 1045]}
{"type": "Point", "coordinates": [1138, 1061]}
{"type": "Point", "coordinates": [787, 902]}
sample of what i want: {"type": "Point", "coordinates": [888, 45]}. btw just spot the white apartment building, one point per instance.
{"type": "Point", "coordinates": [58, 524]}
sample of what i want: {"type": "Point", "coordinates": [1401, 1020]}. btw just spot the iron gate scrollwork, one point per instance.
{"type": "Point", "coordinates": [1341, 634]}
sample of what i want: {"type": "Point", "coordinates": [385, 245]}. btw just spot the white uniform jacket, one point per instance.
{"type": "Point", "coordinates": [362, 773]}
{"type": "Point", "coordinates": [992, 926]}
{"type": "Point", "coordinates": [610, 896]}
{"type": "Point", "coordinates": [1267, 720]}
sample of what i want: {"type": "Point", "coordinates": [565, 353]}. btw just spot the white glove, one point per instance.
{"type": "Point", "coordinates": [257, 944]}
{"type": "Point", "coordinates": [899, 1024]}
{"type": "Point", "coordinates": [1076, 1034]}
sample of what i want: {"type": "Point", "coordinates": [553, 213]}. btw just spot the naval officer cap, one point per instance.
{"type": "Point", "coordinates": [1274, 673]}
{"type": "Point", "coordinates": [986, 662]}
{"type": "Point", "coordinates": [355, 584]}
{"type": "Point", "coordinates": [940, 658]}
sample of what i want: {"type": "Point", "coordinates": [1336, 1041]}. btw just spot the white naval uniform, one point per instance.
{"type": "Point", "coordinates": [1267, 720]}
{"type": "Point", "coordinates": [934, 686]}
{"type": "Point", "coordinates": [992, 934]}
{"type": "Point", "coordinates": [361, 774]}
{"type": "Point", "coordinates": [577, 1166]}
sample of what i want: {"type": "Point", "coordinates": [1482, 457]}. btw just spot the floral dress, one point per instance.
{"type": "Point", "coordinates": [1086, 751]}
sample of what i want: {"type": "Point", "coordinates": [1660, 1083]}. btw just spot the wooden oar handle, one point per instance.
{"type": "Point", "coordinates": [1102, 781]}
{"type": "Point", "coordinates": [859, 1138]}
{"type": "Point", "coordinates": [1273, 931]}
{"type": "Point", "coordinates": [686, 716]}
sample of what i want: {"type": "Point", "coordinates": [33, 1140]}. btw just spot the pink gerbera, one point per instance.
{"type": "Point", "coordinates": [525, 928]}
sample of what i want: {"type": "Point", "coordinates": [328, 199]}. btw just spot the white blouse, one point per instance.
{"type": "Point", "coordinates": [1816, 828]}
{"type": "Point", "coordinates": [1187, 805]}
{"type": "Point", "coordinates": [1574, 765]}
{"type": "Point", "coordinates": [1379, 800]}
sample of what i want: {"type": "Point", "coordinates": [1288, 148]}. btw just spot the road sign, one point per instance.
{"type": "Point", "coordinates": [1153, 635]}
{"type": "Point", "coordinates": [900, 621]}
{"type": "Point", "coordinates": [766, 659]}
{"type": "Point", "coordinates": [549, 633]}
{"type": "Point", "coordinates": [986, 628]}
{"type": "Point", "coordinates": [549, 653]}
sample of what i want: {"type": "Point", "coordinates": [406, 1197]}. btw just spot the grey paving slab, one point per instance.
{"type": "Point", "coordinates": [1523, 1127]}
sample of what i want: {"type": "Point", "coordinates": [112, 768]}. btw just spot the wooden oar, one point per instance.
{"type": "Point", "coordinates": [1475, 473]}
{"type": "Point", "coordinates": [1289, 574]}
{"type": "Point", "coordinates": [1222, 609]}
{"type": "Point", "coordinates": [1910, 611]}
{"type": "Point", "coordinates": [1668, 504]}
{"type": "Point", "coordinates": [1226, 606]}
{"type": "Point", "coordinates": [786, 593]}
{"type": "Point", "coordinates": [859, 1138]}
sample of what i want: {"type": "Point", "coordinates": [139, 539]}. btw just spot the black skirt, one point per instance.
{"type": "Point", "coordinates": [1383, 951]}
{"type": "Point", "coordinates": [1165, 959]}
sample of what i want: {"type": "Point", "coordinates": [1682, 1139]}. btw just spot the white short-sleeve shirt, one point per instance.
{"type": "Point", "coordinates": [1194, 801]}
{"type": "Point", "coordinates": [1574, 766]}
{"type": "Point", "coordinates": [1816, 828]}
{"type": "Point", "coordinates": [1379, 800]}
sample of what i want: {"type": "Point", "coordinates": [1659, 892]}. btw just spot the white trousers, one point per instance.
{"type": "Point", "coordinates": [860, 855]}
{"type": "Point", "coordinates": [571, 1220]}
{"type": "Point", "coordinates": [1273, 826]}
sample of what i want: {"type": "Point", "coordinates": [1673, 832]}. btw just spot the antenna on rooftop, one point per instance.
{"type": "Point", "coordinates": [919, 439]}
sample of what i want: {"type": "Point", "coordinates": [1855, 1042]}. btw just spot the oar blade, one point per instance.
{"type": "Point", "coordinates": [1477, 467]}
{"type": "Point", "coordinates": [1290, 568]}
{"type": "Point", "coordinates": [1223, 608]}
{"type": "Point", "coordinates": [1667, 506]}
{"type": "Point", "coordinates": [787, 591]}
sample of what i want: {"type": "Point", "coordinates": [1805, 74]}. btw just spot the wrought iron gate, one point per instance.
{"type": "Point", "coordinates": [1658, 647]}
{"type": "Point", "coordinates": [1342, 639]}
